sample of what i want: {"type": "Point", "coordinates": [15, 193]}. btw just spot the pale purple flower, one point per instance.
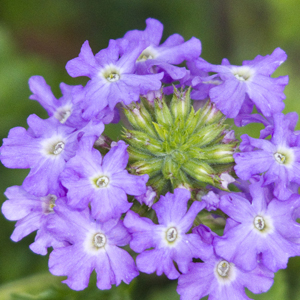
{"type": "Point", "coordinates": [223, 280]}
{"type": "Point", "coordinates": [278, 158]}
{"type": "Point", "coordinates": [161, 58]}
{"type": "Point", "coordinates": [32, 213]}
{"type": "Point", "coordinates": [249, 84]}
{"type": "Point", "coordinates": [65, 109]}
{"type": "Point", "coordinates": [92, 245]}
{"type": "Point", "coordinates": [104, 184]}
{"type": "Point", "coordinates": [113, 78]}
{"type": "Point", "coordinates": [245, 119]}
{"type": "Point", "coordinates": [262, 226]}
{"type": "Point", "coordinates": [168, 239]}
{"type": "Point", "coordinates": [44, 148]}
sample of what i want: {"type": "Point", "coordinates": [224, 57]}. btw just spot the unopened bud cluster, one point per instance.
{"type": "Point", "coordinates": [176, 145]}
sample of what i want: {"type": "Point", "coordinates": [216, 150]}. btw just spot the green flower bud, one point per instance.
{"type": "Point", "coordinates": [177, 146]}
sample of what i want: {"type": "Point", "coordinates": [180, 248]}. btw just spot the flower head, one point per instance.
{"type": "Point", "coordinates": [92, 245]}
{"type": "Point", "coordinates": [249, 84]}
{"type": "Point", "coordinates": [102, 183]}
{"type": "Point", "coordinates": [278, 158]}
{"type": "Point", "coordinates": [113, 79]}
{"type": "Point", "coordinates": [156, 58]}
{"type": "Point", "coordinates": [263, 226]}
{"type": "Point", "coordinates": [168, 238]}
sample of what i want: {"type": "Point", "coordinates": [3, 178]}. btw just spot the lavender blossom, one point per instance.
{"type": "Point", "coordinates": [245, 119]}
{"type": "Point", "coordinates": [168, 238]}
{"type": "Point", "coordinates": [32, 213]}
{"type": "Point", "coordinates": [92, 245]}
{"type": "Point", "coordinates": [64, 109]}
{"type": "Point", "coordinates": [222, 279]}
{"type": "Point", "coordinates": [249, 84]}
{"type": "Point", "coordinates": [161, 58]}
{"type": "Point", "coordinates": [102, 183]}
{"type": "Point", "coordinates": [113, 79]}
{"type": "Point", "coordinates": [44, 148]}
{"type": "Point", "coordinates": [261, 226]}
{"type": "Point", "coordinates": [67, 109]}
{"type": "Point", "coordinates": [278, 158]}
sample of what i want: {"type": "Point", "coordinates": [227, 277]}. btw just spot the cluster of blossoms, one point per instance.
{"type": "Point", "coordinates": [88, 196]}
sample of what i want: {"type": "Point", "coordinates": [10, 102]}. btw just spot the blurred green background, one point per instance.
{"type": "Point", "coordinates": [38, 37]}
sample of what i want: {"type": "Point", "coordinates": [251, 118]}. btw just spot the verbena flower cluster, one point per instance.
{"type": "Point", "coordinates": [88, 197]}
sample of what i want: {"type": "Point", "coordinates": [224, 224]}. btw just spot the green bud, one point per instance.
{"type": "Point", "coordinates": [177, 146]}
{"type": "Point", "coordinates": [162, 113]}
{"type": "Point", "coordinates": [181, 104]}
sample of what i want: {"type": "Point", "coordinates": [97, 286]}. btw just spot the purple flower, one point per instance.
{"type": "Point", "coordinates": [32, 213]}
{"type": "Point", "coordinates": [245, 119]}
{"type": "Point", "coordinates": [156, 58]}
{"type": "Point", "coordinates": [248, 84]}
{"type": "Point", "coordinates": [261, 226]}
{"type": "Point", "coordinates": [168, 238]}
{"type": "Point", "coordinates": [278, 158]}
{"type": "Point", "coordinates": [44, 148]}
{"type": "Point", "coordinates": [64, 110]}
{"type": "Point", "coordinates": [92, 245]}
{"type": "Point", "coordinates": [222, 279]}
{"type": "Point", "coordinates": [103, 183]}
{"type": "Point", "coordinates": [67, 109]}
{"type": "Point", "coordinates": [113, 79]}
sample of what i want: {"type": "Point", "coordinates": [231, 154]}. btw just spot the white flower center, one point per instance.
{"type": "Point", "coordinates": [48, 203]}
{"type": "Point", "coordinates": [223, 268]}
{"type": "Point", "coordinates": [280, 158]}
{"type": "Point", "coordinates": [58, 148]}
{"type": "Point", "coordinates": [243, 73]}
{"type": "Point", "coordinates": [99, 240]}
{"type": "Point", "coordinates": [259, 223]}
{"type": "Point", "coordinates": [64, 115]}
{"type": "Point", "coordinates": [171, 234]}
{"type": "Point", "coordinates": [111, 73]}
{"type": "Point", "coordinates": [102, 182]}
{"type": "Point", "coordinates": [113, 77]}
{"type": "Point", "coordinates": [285, 156]}
{"type": "Point", "coordinates": [148, 53]}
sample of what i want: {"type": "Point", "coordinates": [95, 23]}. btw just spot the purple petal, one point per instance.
{"type": "Point", "coordinates": [229, 97]}
{"type": "Point", "coordinates": [141, 230]}
{"type": "Point", "coordinates": [43, 94]}
{"type": "Point", "coordinates": [266, 65]}
{"type": "Point", "coordinates": [172, 207]}
{"type": "Point", "coordinates": [71, 261]}
{"type": "Point", "coordinates": [267, 93]}
{"type": "Point", "coordinates": [84, 64]}
{"type": "Point", "coordinates": [111, 202]}
{"type": "Point", "coordinates": [131, 184]}
{"type": "Point", "coordinates": [252, 163]}
{"type": "Point", "coordinates": [122, 265]}
{"type": "Point", "coordinates": [116, 159]}
{"type": "Point", "coordinates": [26, 225]}
{"type": "Point", "coordinates": [189, 50]}
{"type": "Point", "coordinates": [156, 260]}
